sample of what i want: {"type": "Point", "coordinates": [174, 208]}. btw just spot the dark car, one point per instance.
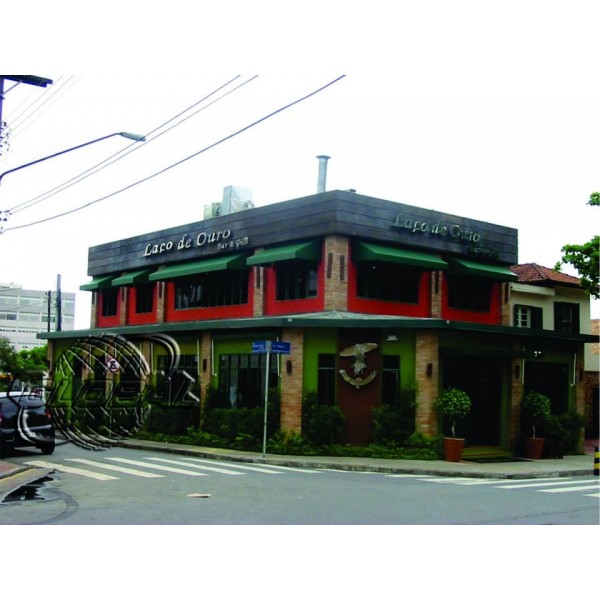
{"type": "Point", "coordinates": [25, 421]}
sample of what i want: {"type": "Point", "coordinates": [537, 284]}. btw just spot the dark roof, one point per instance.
{"type": "Point", "coordinates": [536, 274]}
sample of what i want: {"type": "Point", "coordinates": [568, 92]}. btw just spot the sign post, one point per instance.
{"type": "Point", "coordinates": [266, 347]}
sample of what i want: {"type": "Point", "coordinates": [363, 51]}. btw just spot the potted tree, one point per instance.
{"type": "Point", "coordinates": [453, 404]}
{"type": "Point", "coordinates": [534, 408]}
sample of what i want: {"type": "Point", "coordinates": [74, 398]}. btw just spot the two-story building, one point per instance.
{"type": "Point", "coordinates": [375, 298]}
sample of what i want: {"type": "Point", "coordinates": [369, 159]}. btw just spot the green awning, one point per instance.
{"type": "Point", "coordinates": [132, 278]}
{"type": "Point", "coordinates": [302, 251]}
{"type": "Point", "coordinates": [365, 251]}
{"type": "Point", "coordinates": [97, 283]}
{"type": "Point", "coordinates": [467, 267]}
{"type": "Point", "coordinates": [220, 263]}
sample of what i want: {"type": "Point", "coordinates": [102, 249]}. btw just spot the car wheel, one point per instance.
{"type": "Point", "coordinates": [48, 448]}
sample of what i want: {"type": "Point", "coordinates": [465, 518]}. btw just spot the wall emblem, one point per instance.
{"type": "Point", "coordinates": [358, 352]}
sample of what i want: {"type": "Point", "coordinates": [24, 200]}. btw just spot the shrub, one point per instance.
{"type": "Point", "coordinates": [563, 432]}
{"type": "Point", "coordinates": [170, 420]}
{"type": "Point", "coordinates": [534, 408]}
{"type": "Point", "coordinates": [454, 404]}
{"type": "Point", "coordinates": [395, 423]}
{"type": "Point", "coordinates": [321, 424]}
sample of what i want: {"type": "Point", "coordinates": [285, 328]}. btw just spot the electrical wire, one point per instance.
{"type": "Point", "coordinates": [131, 148]}
{"type": "Point", "coordinates": [157, 173]}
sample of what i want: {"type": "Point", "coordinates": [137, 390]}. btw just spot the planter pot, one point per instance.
{"type": "Point", "coordinates": [534, 447]}
{"type": "Point", "coordinates": [453, 448]}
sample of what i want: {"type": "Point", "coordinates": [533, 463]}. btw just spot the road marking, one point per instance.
{"type": "Point", "coordinates": [514, 486]}
{"type": "Point", "coordinates": [592, 495]}
{"type": "Point", "coordinates": [295, 469]}
{"type": "Point", "coordinates": [74, 470]}
{"type": "Point", "coordinates": [234, 465]}
{"type": "Point", "coordinates": [93, 463]}
{"type": "Point", "coordinates": [408, 475]}
{"type": "Point", "coordinates": [577, 488]}
{"type": "Point", "coordinates": [482, 481]}
{"type": "Point", "coordinates": [190, 464]}
{"type": "Point", "coordinates": [451, 479]}
{"type": "Point", "coordinates": [139, 463]}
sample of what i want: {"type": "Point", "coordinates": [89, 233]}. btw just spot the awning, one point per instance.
{"type": "Point", "coordinates": [365, 251]}
{"type": "Point", "coordinates": [97, 283]}
{"type": "Point", "coordinates": [468, 267]}
{"type": "Point", "coordinates": [302, 251]}
{"type": "Point", "coordinates": [132, 278]}
{"type": "Point", "coordinates": [221, 263]}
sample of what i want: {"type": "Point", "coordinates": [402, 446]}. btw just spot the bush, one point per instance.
{"type": "Point", "coordinates": [454, 404]}
{"type": "Point", "coordinates": [321, 424]}
{"type": "Point", "coordinates": [534, 408]}
{"type": "Point", "coordinates": [395, 423]}
{"type": "Point", "coordinates": [171, 420]}
{"type": "Point", "coordinates": [562, 433]}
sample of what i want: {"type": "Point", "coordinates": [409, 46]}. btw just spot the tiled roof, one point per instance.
{"type": "Point", "coordinates": [534, 273]}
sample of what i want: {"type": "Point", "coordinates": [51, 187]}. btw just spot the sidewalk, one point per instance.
{"type": "Point", "coordinates": [569, 466]}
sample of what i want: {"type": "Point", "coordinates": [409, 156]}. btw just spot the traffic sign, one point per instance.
{"type": "Point", "coordinates": [280, 347]}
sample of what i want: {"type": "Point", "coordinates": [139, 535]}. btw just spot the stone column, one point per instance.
{"type": "Point", "coordinates": [427, 380]}
{"type": "Point", "coordinates": [335, 260]}
{"type": "Point", "coordinates": [291, 381]}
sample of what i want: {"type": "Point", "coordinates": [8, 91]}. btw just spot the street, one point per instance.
{"type": "Point", "coordinates": [132, 487]}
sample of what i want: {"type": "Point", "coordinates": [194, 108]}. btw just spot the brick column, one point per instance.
{"type": "Point", "coordinates": [436, 294]}
{"type": "Point", "coordinates": [94, 310]}
{"type": "Point", "coordinates": [580, 391]}
{"type": "Point", "coordinates": [335, 260]}
{"type": "Point", "coordinates": [205, 376]}
{"type": "Point", "coordinates": [161, 292]}
{"type": "Point", "coordinates": [291, 383]}
{"type": "Point", "coordinates": [516, 396]}
{"type": "Point", "coordinates": [258, 281]}
{"type": "Point", "coordinates": [123, 301]}
{"type": "Point", "coordinates": [427, 353]}
{"type": "Point", "coordinates": [505, 304]}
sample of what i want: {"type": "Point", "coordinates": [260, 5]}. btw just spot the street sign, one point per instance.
{"type": "Point", "coordinates": [280, 347]}
{"type": "Point", "coordinates": [261, 347]}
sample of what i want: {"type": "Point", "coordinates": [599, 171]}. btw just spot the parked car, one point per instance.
{"type": "Point", "coordinates": [25, 421]}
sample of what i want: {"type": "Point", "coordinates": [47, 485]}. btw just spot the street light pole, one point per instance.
{"type": "Point", "coordinates": [131, 136]}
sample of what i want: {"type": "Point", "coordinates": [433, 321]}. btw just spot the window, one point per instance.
{"type": "Point", "coordinates": [144, 298]}
{"type": "Point", "coordinates": [110, 298]}
{"type": "Point", "coordinates": [9, 300]}
{"type": "Point", "coordinates": [388, 281]}
{"type": "Point", "coordinates": [241, 379]}
{"type": "Point", "coordinates": [296, 280]}
{"type": "Point", "coordinates": [8, 316]}
{"type": "Point", "coordinates": [25, 316]}
{"type": "Point", "coordinates": [529, 317]}
{"type": "Point", "coordinates": [566, 317]}
{"type": "Point", "coordinates": [205, 290]}
{"type": "Point", "coordinates": [326, 379]}
{"type": "Point", "coordinates": [390, 380]}
{"type": "Point", "coordinates": [466, 292]}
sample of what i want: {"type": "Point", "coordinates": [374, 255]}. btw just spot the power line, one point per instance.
{"type": "Point", "coordinates": [131, 148]}
{"type": "Point", "coordinates": [157, 173]}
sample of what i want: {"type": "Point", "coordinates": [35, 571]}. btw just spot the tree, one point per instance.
{"type": "Point", "coordinates": [585, 258]}
{"type": "Point", "coordinates": [26, 365]}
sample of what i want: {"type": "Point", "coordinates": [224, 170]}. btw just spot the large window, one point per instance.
{"type": "Point", "coordinates": [388, 281]}
{"type": "Point", "coordinates": [390, 380]}
{"type": "Point", "coordinates": [467, 292]}
{"type": "Point", "coordinates": [110, 298]}
{"type": "Point", "coordinates": [566, 317]}
{"type": "Point", "coordinates": [528, 317]}
{"type": "Point", "coordinates": [241, 379]}
{"type": "Point", "coordinates": [326, 379]}
{"type": "Point", "coordinates": [144, 298]}
{"type": "Point", "coordinates": [296, 279]}
{"type": "Point", "coordinates": [205, 290]}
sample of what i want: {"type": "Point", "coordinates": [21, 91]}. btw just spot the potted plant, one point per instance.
{"type": "Point", "coordinates": [454, 404]}
{"type": "Point", "coordinates": [534, 407]}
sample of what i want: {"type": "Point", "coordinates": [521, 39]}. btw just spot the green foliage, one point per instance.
{"type": "Point", "coordinates": [394, 423]}
{"type": "Point", "coordinates": [563, 431]}
{"type": "Point", "coordinates": [534, 408]}
{"type": "Point", "coordinates": [454, 404]}
{"type": "Point", "coordinates": [585, 258]}
{"type": "Point", "coordinates": [321, 424]}
{"type": "Point", "coordinates": [27, 366]}
{"type": "Point", "coordinates": [170, 420]}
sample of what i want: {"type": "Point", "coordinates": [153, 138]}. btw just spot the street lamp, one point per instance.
{"type": "Point", "coordinates": [130, 136]}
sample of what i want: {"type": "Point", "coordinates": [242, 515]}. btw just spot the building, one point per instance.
{"type": "Point", "coordinates": [24, 313]}
{"type": "Point", "coordinates": [378, 301]}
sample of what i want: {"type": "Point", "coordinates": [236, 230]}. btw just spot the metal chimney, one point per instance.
{"type": "Point", "coordinates": [322, 181]}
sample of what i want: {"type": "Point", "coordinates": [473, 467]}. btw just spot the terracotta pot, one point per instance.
{"type": "Point", "coordinates": [453, 448]}
{"type": "Point", "coordinates": [534, 447]}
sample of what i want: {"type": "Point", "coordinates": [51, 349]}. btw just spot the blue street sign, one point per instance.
{"type": "Point", "coordinates": [259, 347]}
{"type": "Point", "coordinates": [280, 347]}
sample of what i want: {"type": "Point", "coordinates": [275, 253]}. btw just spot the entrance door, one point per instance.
{"type": "Point", "coordinates": [550, 379]}
{"type": "Point", "coordinates": [481, 378]}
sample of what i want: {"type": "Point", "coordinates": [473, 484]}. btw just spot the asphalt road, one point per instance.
{"type": "Point", "coordinates": [131, 487]}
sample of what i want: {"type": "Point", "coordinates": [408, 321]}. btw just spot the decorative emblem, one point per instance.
{"type": "Point", "coordinates": [358, 351]}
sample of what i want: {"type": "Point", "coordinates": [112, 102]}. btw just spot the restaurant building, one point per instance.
{"type": "Point", "coordinates": [378, 301]}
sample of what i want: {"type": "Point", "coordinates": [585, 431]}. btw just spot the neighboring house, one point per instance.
{"type": "Point", "coordinates": [378, 301]}
{"type": "Point", "coordinates": [24, 313]}
{"type": "Point", "coordinates": [545, 299]}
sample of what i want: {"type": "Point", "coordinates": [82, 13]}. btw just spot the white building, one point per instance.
{"type": "Point", "coordinates": [24, 313]}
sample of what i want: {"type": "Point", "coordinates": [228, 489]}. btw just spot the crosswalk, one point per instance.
{"type": "Point", "coordinates": [112, 468]}
{"type": "Point", "coordinates": [548, 485]}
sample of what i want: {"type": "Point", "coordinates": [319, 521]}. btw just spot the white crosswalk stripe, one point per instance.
{"type": "Point", "coordinates": [139, 463]}
{"type": "Point", "coordinates": [95, 463]}
{"type": "Point", "coordinates": [195, 466]}
{"type": "Point", "coordinates": [575, 488]}
{"type": "Point", "coordinates": [243, 467]}
{"type": "Point", "coordinates": [74, 470]}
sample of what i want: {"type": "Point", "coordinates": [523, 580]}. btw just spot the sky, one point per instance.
{"type": "Point", "coordinates": [487, 110]}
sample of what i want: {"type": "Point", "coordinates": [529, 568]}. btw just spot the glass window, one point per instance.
{"type": "Point", "coordinates": [8, 316]}
{"type": "Point", "coordinates": [390, 380]}
{"type": "Point", "coordinates": [25, 316]}
{"type": "Point", "coordinates": [110, 298]}
{"type": "Point", "coordinates": [566, 317]}
{"type": "Point", "coordinates": [223, 288]}
{"type": "Point", "coordinates": [388, 281]}
{"type": "Point", "coordinates": [469, 293]}
{"type": "Point", "coordinates": [296, 280]}
{"type": "Point", "coordinates": [326, 379]}
{"type": "Point", "coordinates": [527, 316]}
{"type": "Point", "coordinates": [144, 298]}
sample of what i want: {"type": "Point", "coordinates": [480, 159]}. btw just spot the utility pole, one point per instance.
{"type": "Point", "coordinates": [58, 305]}
{"type": "Point", "coordinates": [49, 294]}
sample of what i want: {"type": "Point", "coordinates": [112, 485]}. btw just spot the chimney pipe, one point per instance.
{"type": "Point", "coordinates": [321, 183]}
